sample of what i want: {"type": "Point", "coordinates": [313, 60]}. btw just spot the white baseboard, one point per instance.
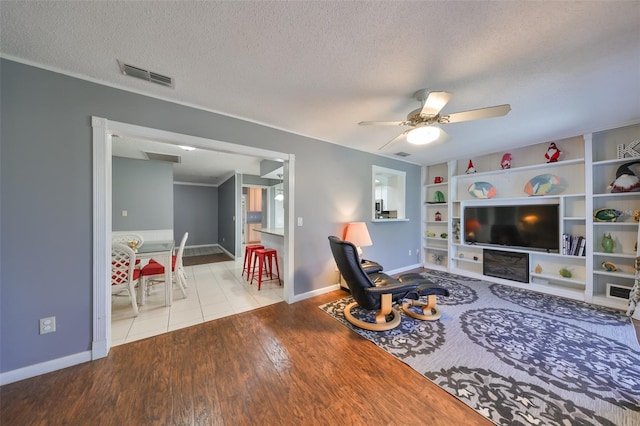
{"type": "Point", "coordinates": [403, 269]}
{"type": "Point", "coordinates": [314, 293]}
{"type": "Point", "coordinates": [44, 367]}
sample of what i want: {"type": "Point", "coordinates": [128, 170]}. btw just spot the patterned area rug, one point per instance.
{"type": "Point", "coordinates": [518, 357]}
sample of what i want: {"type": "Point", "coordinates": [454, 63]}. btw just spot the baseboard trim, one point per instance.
{"type": "Point", "coordinates": [313, 293]}
{"type": "Point", "coordinates": [44, 367]}
{"type": "Point", "coordinates": [403, 269]}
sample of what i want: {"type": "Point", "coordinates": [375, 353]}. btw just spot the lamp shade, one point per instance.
{"type": "Point", "coordinates": [358, 234]}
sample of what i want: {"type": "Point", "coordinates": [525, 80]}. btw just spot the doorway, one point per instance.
{"type": "Point", "coordinates": [103, 130]}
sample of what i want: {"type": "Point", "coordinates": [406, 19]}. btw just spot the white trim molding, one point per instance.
{"type": "Point", "coordinates": [103, 130]}
{"type": "Point", "coordinates": [44, 367]}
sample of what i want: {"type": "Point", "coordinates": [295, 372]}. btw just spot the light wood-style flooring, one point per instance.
{"type": "Point", "coordinates": [281, 364]}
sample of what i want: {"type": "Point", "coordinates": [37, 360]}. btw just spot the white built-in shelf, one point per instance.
{"type": "Point", "coordinates": [616, 195]}
{"type": "Point", "coordinates": [524, 168]}
{"type": "Point", "coordinates": [444, 240]}
{"type": "Point", "coordinates": [610, 302]}
{"type": "Point", "coordinates": [442, 249]}
{"type": "Point", "coordinates": [436, 222]}
{"type": "Point", "coordinates": [436, 185]}
{"type": "Point", "coordinates": [619, 274]}
{"type": "Point", "coordinates": [616, 223]}
{"type": "Point", "coordinates": [558, 278]}
{"type": "Point", "coordinates": [616, 161]}
{"type": "Point", "coordinates": [622, 255]}
{"type": "Point", "coordinates": [575, 218]}
{"type": "Point", "coordinates": [526, 198]}
{"type": "Point", "coordinates": [467, 260]}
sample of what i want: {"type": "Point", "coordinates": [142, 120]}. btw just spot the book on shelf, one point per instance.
{"type": "Point", "coordinates": [573, 245]}
{"type": "Point", "coordinates": [583, 243]}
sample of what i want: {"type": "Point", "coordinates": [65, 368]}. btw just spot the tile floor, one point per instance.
{"type": "Point", "coordinates": [215, 290]}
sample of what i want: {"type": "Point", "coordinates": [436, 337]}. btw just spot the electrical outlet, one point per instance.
{"type": "Point", "coordinates": [409, 252]}
{"type": "Point", "coordinates": [47, 325]}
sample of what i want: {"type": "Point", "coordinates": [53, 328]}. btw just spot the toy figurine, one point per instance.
{"type": "Point", "coordinates": [627, 179]}
{"type": "Point", "coordinates": [506, 161]}
{"type": "Point", "coordinates": [438, 217]}
{"type": "Point", "coordinates": [553, 153]}
{"type": "Point", "coordinates": [470, 169]}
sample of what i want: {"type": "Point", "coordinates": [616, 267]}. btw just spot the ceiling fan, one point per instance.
{"type": "Point", "coordinates": [423, 121]}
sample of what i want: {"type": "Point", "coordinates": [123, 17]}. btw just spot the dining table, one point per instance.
{"type": "Point", "coordinates": [161, 251]}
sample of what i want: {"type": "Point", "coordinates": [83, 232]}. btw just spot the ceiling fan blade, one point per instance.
{"type": "Point", "coordinates": [394, 140]}
{"type": "Point", "coordinates": [444, 136]}
{"type": "Point", "coordinates": [435, 102]}
{"type": "Point", "coordinates": [476, 114]}
{"type": "Point", "coordinates": [382, 123]}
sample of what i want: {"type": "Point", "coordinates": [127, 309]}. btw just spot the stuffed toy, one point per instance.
{"type": "Point", "coordinates": [506, 161]}
{"type": "Point", "coordinates": [627, 178]}
{"type": "Point", "coordinates": [553, 153]}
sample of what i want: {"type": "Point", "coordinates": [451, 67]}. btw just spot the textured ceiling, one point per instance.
{"type": "Point", "coordinates": [318, 68]}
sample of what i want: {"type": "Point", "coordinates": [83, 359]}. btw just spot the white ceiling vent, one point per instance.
{"type": "Point", "coordinates": [163, 157]}
{"type": "Point", "coordinates": [143, 74]}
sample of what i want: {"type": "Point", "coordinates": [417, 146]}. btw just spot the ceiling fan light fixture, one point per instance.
{"type": "Point", "coordinates": [423, 135]}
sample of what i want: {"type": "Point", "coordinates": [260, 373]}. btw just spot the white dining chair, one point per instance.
{"type": "Point", "coordinates": [132, 239]}
{"type": "Point", "coordinates": [153, 273]}
{"type": "Point", "coordinates": [124, 275]}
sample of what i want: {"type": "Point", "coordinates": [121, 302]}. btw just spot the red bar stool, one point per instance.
{"type": "Point", "coordinates": [261, 256]}
{"type": "Point", "coordinates": [248, 258]}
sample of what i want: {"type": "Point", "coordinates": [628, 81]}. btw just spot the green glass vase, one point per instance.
{"type": "Point", "coordinates": [607, 243]}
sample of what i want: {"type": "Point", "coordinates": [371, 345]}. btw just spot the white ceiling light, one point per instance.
{"type": "Point", "coordinates": [423, 135]}
{"type": "Point", "coordinates": [186, 148]}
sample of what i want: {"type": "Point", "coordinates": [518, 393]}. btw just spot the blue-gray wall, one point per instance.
{"type": "Point", "coordinates": [46, 201]}
{"type": "Point", "coordinates": [226, 215]}
{"type": "Point", "coordinates": [195, 210]}
{"type": "Point", "coordinates": [145, 190]}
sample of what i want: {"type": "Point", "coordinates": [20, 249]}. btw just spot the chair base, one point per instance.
{"type": "Point", "coordinates": [429, 310]}
{"type": "Point", "coordinates": [381, 323]}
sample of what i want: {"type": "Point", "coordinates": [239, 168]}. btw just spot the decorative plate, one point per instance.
{"type": "Point", "coordinates": [546, 184]}
{"type": "Point", "coordinates": [606, 215]}
{"type": "Point", "coordinates": [482, 190]}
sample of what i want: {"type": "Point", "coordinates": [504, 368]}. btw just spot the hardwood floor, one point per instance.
{"type": "Point", "coordinates": [281, 364]}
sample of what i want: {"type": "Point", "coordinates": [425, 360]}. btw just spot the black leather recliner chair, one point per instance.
{"type": "Point", "coordinates": [378, 291]}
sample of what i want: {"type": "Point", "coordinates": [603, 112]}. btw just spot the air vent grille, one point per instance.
{"type": "Point", "coordinates": [147, 75]}
{"type": "Point", "coordinates": [163, 157]}
{"type": "Point", "coordinates": [402, 154]}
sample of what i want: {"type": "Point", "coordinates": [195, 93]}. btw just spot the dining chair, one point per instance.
{"type": "Point", "coordinates": [124, 275]}
{"type": "Point", "coordinates": [153, 273]}
{"type": "Point", "coordinates": [132, 239]}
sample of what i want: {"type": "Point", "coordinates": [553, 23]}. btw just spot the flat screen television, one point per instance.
{"type": "Point", "coordinates": [526, 226]}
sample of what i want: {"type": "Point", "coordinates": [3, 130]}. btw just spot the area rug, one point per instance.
{"type": "Point", "coordinates": [203, 255]}
{"type": "Point", "coordinates": [518, 357]}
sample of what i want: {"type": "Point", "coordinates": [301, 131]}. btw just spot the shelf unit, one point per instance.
{"type": "Point", "coordinates": [602, 150]}
{"type": "Point", "coordinates": [509, 185]}
{"type": "Point", "coordinates": [586, 168]}
{"type": "Point", "coordinates": [435, 250]}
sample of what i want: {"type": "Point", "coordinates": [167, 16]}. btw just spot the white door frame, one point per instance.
{"type": "Point", "coordinates": [102, 131]}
